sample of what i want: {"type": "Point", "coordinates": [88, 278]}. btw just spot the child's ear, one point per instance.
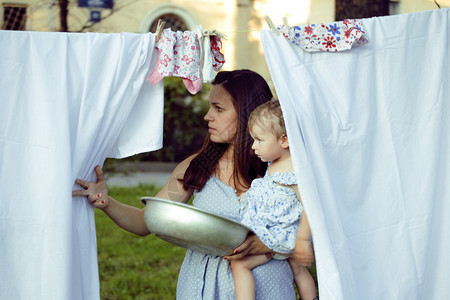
{"type": "Point", "coordinates": [284, 141]}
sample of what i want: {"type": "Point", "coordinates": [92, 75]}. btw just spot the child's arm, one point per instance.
{"type": "Point", "coordinates": [303, 250]}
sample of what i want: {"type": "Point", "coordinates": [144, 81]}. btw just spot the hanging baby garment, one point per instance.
{"type": "Point", "coordinates": [178, 55]}
{"type": "Point", "coordinates": [193, 56]}
{"type": "Point", "coordinates": [336, 36]}
{"type": "Point", "coordinates": [219, 58]}
{"type": "Point", "coordinates": [206, 55]}
{"type": "Point", "coordinates": [211, 59]}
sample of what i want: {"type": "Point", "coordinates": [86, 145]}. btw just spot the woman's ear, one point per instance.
{"type": "Point", "coordinates": [284, 141]}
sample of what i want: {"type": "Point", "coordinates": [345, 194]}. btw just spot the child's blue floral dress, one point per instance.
{"type": "Point", "coordinates": [272, 210]}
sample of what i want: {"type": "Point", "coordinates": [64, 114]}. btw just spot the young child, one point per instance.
{"type": "Point", "coordinates": [272, 206]}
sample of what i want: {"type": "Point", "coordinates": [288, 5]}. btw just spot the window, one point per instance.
{"type": "Point", "coordinates": [173, 22]}
{"type": "Point", "coordinates": [394, 7]}
{"type": "Point", "coordinates": [14, 16]}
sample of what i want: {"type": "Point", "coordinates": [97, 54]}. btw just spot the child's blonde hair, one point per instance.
{"type": "Point", "coordinates": [269, 113]}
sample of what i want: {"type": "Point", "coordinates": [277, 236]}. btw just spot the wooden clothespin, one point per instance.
{"type": "Point", "coordinates": [285, 21]}
{"type": "Point", "coordinates": [159, 29]}
{"type": "Point", "coordinates": [214, 32]}
{"type": "Point", "coordinates": [270, 23]}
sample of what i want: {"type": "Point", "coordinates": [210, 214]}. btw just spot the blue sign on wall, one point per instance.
{"type": "Point", "coordinates": [96, 3]}
{"type": "Point", "coordinates": [95, 16]}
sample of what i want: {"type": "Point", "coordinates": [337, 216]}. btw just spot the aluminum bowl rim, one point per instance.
{"type": "Point", "coordinates": [191, 207]}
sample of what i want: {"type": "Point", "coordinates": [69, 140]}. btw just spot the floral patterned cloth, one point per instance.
{"type": "Point", "coordinates": [272, 210]}
{"type": "Point", "coordinates": [180, 55]}
{"type": "Point", "coordinates": [337, 36]}
{"type": "Point", "coordinates": [219, 58]}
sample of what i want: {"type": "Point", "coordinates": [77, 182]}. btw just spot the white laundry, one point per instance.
{"type": "Point", "coordinates": [66, 101]}
{"type": "Point", "coordinates": [369, 130]}
{"type": "Point", "coordinates": [206, 56]}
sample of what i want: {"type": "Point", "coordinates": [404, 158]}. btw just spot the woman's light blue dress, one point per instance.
{"type": "Point", "coordinates": [209, 277]}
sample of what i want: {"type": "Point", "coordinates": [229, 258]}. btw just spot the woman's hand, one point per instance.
{"type": "Point", "coordinates": [96, 192]}
{"type": "Point", "coordinates": [304, 252]}
{"type": "Point", "coordinates": [251, 246]}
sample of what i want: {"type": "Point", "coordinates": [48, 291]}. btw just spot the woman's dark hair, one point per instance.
{"type": "Point", "coordinates": [248, 90]}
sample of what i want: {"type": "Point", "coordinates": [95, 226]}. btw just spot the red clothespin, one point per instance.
{"type": "Point", "coordinates": [159, 29]}
{"type": "Point", "coordinates": [270, 23]}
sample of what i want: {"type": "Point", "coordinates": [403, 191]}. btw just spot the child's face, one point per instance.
{"type": "Point", "coordinates": [265, 143]}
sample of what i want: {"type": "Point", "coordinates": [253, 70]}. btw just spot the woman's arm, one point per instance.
{"type": "Point", "coordinates": [129, 217]}
{"type": "Point", "coordinates": [251, 246]}
{"type": "Point", "coordinates": [303, 250]}
{"type": "Point", "coordinates": [173, 189]}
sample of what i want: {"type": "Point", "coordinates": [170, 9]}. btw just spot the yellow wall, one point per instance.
{"type": "Point", "coordinates": [409, 6]}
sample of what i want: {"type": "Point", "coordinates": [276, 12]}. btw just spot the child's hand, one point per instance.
{"type": "Point", "coordinates": [304, 252]}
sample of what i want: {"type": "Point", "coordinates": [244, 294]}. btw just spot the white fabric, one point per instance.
{"type": "Point", "coordinates": [64, 100]}
{"type": "Point", "coordinates": [369, 130]}
{"type": "Point", "coordinates": [207, 72]}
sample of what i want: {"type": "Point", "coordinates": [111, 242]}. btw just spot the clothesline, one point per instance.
{"type": "Point", "coordinates": [241, 31]}
{"type": "Point", "coordinates": [195, 55]}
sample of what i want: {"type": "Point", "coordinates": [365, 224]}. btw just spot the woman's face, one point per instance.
{"type": "Point", "coordinates": [222, 117]}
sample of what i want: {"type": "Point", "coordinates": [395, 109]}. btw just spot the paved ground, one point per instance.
{"type": "Point", "coordinates": [132, 174]}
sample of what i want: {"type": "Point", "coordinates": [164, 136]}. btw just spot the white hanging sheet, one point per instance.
{"type": "Point", "coordinates": [66, 101]}
{"type": "Point", "coordinates": [369, 130]}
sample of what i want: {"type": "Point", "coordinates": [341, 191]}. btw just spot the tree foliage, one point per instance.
{"type": "Point", "coordinates": [184, 126]}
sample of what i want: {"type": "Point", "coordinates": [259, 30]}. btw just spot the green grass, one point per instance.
{"type": "Point", "coordinates": [133, 267]}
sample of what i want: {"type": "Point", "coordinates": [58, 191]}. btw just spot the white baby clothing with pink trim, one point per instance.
{"type": "Point", "coordinates": [211, 60]}
{"type": "Point", "coordinates": [206, 56]}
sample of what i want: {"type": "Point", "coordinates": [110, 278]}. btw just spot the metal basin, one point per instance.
{"type": "Point", "coordinates": [193, 228]}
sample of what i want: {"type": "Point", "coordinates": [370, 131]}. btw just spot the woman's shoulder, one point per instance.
{"type": "Point", "coordinates": [181, 168]}
{"type": "Point", "coordinates": [173, 189]}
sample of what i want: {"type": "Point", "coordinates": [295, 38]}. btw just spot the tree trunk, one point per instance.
{"type": "Point", "coordinates": [358, 9]}
{"type": "Point", "coordinates": [63, 12]}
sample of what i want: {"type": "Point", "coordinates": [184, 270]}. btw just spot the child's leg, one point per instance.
{"type": "Point", "coordinates": [244, 282]}
{"type": "Point", "coordinates": [303, 280]}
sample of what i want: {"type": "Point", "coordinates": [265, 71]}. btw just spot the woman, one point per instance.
{"type": "Point", "coordinates": [216, 176]}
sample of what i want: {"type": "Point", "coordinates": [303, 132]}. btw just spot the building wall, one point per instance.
{"type": "Point", "coordinates": [240, 20]}
{"type": "Point", "coordinates": [409, 6]}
